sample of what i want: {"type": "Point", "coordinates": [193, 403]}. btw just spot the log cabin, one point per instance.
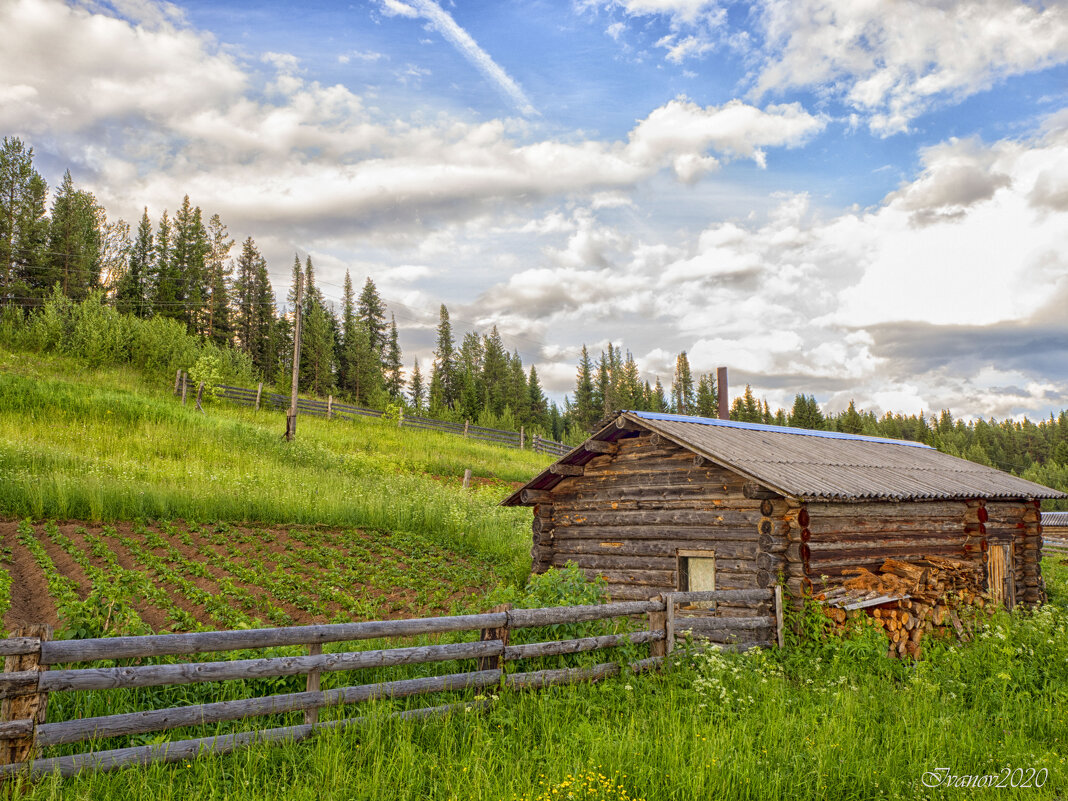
{"type": "Point", "coordinates": [1055, 524]}
{"type": "Point", "coordinates": [660, 502]}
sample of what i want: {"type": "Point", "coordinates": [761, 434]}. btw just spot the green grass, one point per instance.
{"type": "Point", "coordinates": [836, 720]}
{"type": "Point", "coordinates": [107, 445]}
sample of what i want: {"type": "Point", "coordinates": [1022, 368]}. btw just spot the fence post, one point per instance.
{"type": "Point", "coordinates": [400, 418]}
{"type": "Point", "coordinates": [669, 622]}
{"type": "Point", "coordinates": [30, 709]}
{"type": "Point", "coordinates": [536, 445]}
{"type": "Point", "coordinates": [522, 437]}
{"type": "Point", "coordinates": [488, 635]}
{"type": "Point", "coordinates": [185, 385]}
{"type": "Point", "coordinates": [778, 616]}
{"type": "Point", "coordinates": [259, 393]}
{"type": "Point", "coordinates": [311, 716]}
{"type": "Point", "coordinates": [329, 405]}
{"type": "Point", "coordinates": [200, 394]}
{"type": "Point", "coordinates": [658, 622]}
{"type": "Point", "coordinates": [467, 478]}
{"type": "Point", "coordinates": [466, 424]}
{"type": "Point", "coordinates": [177, 381]}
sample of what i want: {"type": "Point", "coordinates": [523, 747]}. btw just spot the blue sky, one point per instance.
{"type": "Point", "coordinates": [860, 201]}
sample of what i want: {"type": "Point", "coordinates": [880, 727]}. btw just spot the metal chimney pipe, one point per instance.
{"type": "Point", "coordinates": [721, 388]}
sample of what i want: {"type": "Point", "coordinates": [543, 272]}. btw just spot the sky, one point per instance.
{"type": "Point", "coordinates": [856, 199]}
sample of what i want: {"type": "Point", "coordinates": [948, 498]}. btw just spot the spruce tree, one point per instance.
{"type": "Point", "coordinates": [132, 293]}
{"type": "Point", "coordinates": [23, 224]}
{"type": "Point", "coordinates": [74, 241]}
{"type": "Point", "coordinates": [494, 374]}
{"type": "Point", "coordinates": [394, 372]}
{"type": "Point", "coordinates": [443, 374]}
{"type": "Point", "coordinates": [317, 344]}
{"type": "Point", "coordinates": [707, 402]}
{"type": "Point", "coordinates": [416, 390]}
{"type": "Point", "coordinates": [660, 401]}
{"type": "Point", "coordinates": [538, 409]}
{"type": "Point", "coordinates": [247, 323]}
{"type": "Point", "coordinates": [683, 398]}
{"type": "Point", "coordinates": [805, 413]}
{"type": "Point", "coordinates": [165, 285]}
{"type": "Point", "coordinates": [219, 271]}
{"type": "Point", "coordinates": [346, 354]}
{"type": "Point", "coordinates": [372, 313]}
{"type": "Point", "coordinates": [265, 345]}
{"type": "Point", "coordinates": [585, 411]}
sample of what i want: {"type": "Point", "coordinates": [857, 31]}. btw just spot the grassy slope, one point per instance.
{"type": "Point", "coordinates": [839, 721]}
{"type": "Point", "coordinates": [110, 445]}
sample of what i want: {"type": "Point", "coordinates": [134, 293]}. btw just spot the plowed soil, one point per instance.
{"type": "Point", "coordinates": [381, 574]}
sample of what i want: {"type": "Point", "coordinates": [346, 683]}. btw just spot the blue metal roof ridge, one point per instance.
{"type": "Point", "coordinates": [802, 432]}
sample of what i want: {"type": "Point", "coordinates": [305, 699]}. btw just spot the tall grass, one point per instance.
{"type": "Point", "coordinates": [87, 451]}
{"type": "Point", "coordinates": [830, 721]}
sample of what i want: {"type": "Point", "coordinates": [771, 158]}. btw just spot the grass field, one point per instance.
{"type": "Point", "coordinates": [180, 520]}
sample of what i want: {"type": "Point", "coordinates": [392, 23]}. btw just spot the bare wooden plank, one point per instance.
{"type": "Point", "coordinates": [557, 647]}
{"type": "Point", "coordinates": [73, 731]}
{"type": "Point", "coordinates": [60, 651]}
{"type": "Point", "coordinates": [195, 672]}
{"type": "Point", "coordinates": [525, 618]}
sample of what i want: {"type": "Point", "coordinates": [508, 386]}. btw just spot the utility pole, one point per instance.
{"type": "Point", "coordinates": [291, 416]}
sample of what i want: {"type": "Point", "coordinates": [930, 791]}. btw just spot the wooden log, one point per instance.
{"type": "Point", "coordinates": [72, 731]}
{"type": "Point", "coordinates": [681, 532]}
{"type": "Point", "coordinates": [702, 624]}
{"type": "Point", "coordinates": [745, 596]}
{"type": "Point", "coordinates": [655, 517]}
{"type": "Point", "coordinates": [498, 633]}
{"type": "Point", "coordinates": [730, 549]}
{"type": "Point", "coordinates": [769, 543]}
{"type": "Point", "coordinates": [779, 636]}
{"type": "Point", "coordinates": [526, 618]}
{"type": "Point", "coordinates": [566, 469]}
{"type": "Point", "coordinates": [601, 446]}
{"type": "Point", "coordinates": [313, 684]}
{"type": "Point", "coordinates": [759, 492]}
{"type": "Point", "coordinates": [549, 678]}
{"type": "Point", "coordinates": [658, 623]}
{"type": "Point", "coordinates": [20, 646]}
{"type": "Point", "coordinates": [913, 509]}
{"type": "Point", "coordinates": [59, 651]}
{"type": "Point", "coordinates": [21, 707]}
{"type": "Point", "coordinates": [184, 750]}
{"type": "Point", "coordinates": [650, 579]}
{"type": "Point", "coordinates": [558, 647]}
{"type": "Point", "coordinates": [196, 672]}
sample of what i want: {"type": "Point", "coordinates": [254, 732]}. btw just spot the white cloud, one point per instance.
{"type": "Point", "coordinates": [892, 59]}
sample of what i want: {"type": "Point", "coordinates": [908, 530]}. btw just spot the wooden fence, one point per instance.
{"type": "Point", "coordinates": [1055, 546]}
{"type": "Point", "coordinates": [27, 679]}
{"type": "Point", "coordinates": [331, 409]}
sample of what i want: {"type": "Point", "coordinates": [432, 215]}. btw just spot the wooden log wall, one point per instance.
{"type": "Point", "coordinates": [1018, 522]}
{"type": "Point", "coordinates": [630, 512]}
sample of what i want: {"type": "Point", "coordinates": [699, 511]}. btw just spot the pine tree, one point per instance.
{"type": "Point", "coordinates": [585, 411]}
{"type": "Point", "coordinates": [443, 374]}
{"type": "Point", "coordinates": [132, 293]}
{"type": "Point", "coordinates": [247, 323]}
{"type": "Point", "coordinates": [470, 392]}
{"type": "Point", "coordinates": [164, 282]}
{"type": "Point", "coordinates": [416, 390]}
{"type": "Point", "coordinates": [683, 399]}
{"type": "Point", "coordinates": [517, 394]}
{"type": "Point", "coordinates": [187, 265]}
{"type": "Point", "coordinates": [394, 373]}
{"type": "Point", "coordinates": [806, 413]}
{"type": "Point", "coordinates": [265, 339]}
{"type": "Point", "coordinates": [23, 224]}
{"type": "Point", "coordinates": [747, 408]}
{"type": "Point", "coordinates": [494, 374]}
{"type": "Point", "coordinates": [317, 343]}
{"type": "Point", "coordinates": [74, 241]}
{"type": "Point", "coordinates": [660, 401]}
{"type": "Point", "coordinates": [346, 358]}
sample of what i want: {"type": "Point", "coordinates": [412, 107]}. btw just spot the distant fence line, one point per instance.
{"type": "Point", "coordinates": [331, 409]}
{"type": "Point", "coordinates": [26, 681]}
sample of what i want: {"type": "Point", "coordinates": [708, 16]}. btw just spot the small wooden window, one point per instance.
{"type": "Point", "coordinates": [696, 573]}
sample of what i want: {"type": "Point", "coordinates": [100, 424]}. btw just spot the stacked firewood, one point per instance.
{"type": "Point", "coordinates": [909, 600]}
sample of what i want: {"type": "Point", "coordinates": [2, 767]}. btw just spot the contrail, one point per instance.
{"type": "Point", "coordinates": [444, 24]}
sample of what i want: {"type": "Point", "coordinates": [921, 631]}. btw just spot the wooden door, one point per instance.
{"type": "Point", "coordinates": [697, 573]}
{"type": "Point", "coordinates": [1000, 574]}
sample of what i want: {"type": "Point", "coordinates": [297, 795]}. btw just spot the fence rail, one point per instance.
{"type": "Point", "coordinates": [332, 409]}
{"type": "Point", "coordinates": [27, 680]}
{"type": "Point", "coordinates": [1055, 546]}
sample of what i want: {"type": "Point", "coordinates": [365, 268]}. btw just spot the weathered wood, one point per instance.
{"type": "Point", "coordinates": [558, 647]}
{"type": "Point", "coordinates": [756, 491]}
{"type": "Point", "coordinates": [17, 729]}
{"type": "Point", "coordinates": [182, 750]}
{"type": "Point", "coordinates": [498, 633]}
{"type": "Point", "coordinates": [19, 646]}
{"type": "Point", "coordinates": [177, 381]}
{"type": "Point", "coordinates": [59, 651]}
{"type": "Point", "coordinates": [549, 678]}
{"type": "Point", "coordinates": [658, 623]}
{"type": "Point", "coordinates": [196, 672]}
{"type": "Point", "coordinates": [700, 624]}
{"type": "Point", "coordinates": [917, 509]}
{"type": "Point", "coordinates": [526, 618]}
{"type": "Point", "coordinates": [313, 684]}
{"type": "Point", "coordinates": [567, 469]}
{"type": "Point", "coordinates": [769, 543]}
{"type": "Point", "coordinates": [22, 671]}
{"type": "Point", "coordinates": [779, 637]}
{"type": "Point", "coordinates": [724, 596]}
{"type": "Point", "coordinates": [731, 549]}
{"type": "Point", "coordinates": [645, 533]}
{"type": "Point", "coordinates": [600, 446]}
{"type": "Point", "coordinates": [73, 731]}
{"type": "Point", "coordinates": [185, 386]}
{"type": "Point", "coordinates": [535, 496]}
{"type": "Point", "coordinates": [656, 517]}
{"type": "Point", "coordinates": [259, 394]}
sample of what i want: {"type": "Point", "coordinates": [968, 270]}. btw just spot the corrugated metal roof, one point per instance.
{"type": "Point", "coordinates": [1055, 518]}
{"type": "Point", "coordinates": [820, 465]}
